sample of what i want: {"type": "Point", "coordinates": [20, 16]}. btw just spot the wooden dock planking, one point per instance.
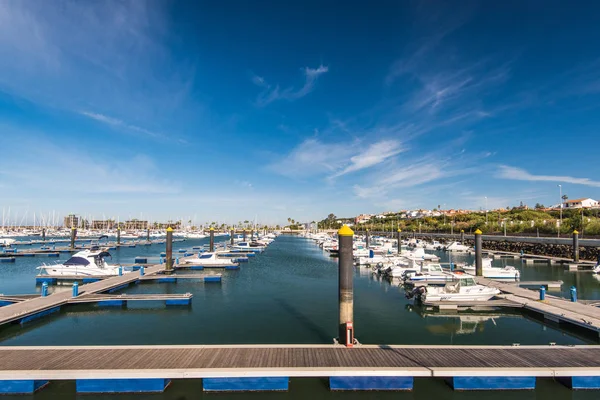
{"type": "Point", "coordinates": [553, 308]}
{"type": "Point", "coordinates": [294, 360]}
{"type": "Point", "coordinates": [17, 311]}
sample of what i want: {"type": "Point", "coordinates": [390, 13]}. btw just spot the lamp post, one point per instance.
{"type": "Point", "coordinates": [486, 215]}
{"type": "Point", "coordinates": [561, 205]}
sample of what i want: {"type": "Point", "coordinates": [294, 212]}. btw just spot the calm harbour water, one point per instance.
{"type": "Point", "coordinates": [288, 294]}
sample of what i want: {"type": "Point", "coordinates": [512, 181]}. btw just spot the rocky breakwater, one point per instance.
{"type": "Point", "coordinates": [540, 249]}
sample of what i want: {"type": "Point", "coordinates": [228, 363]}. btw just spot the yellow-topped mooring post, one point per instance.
{"type": "Point", "coordinates": [118, 235]}
{"type": "Point", "coordinates": [244, 235]}
{"type": "Point", "coordinates": [345, 288]}
{"type": "Point", "coordinates": [43, 234]}
{"type": "Point", "coordinates": [462, 236]}
{"type": "Point", "coordinates": [211, 243]}
{"type": "Point", "coordinates": [399, 238]}
{"type": "Point", "coordinates": [169, 251]}
{"type": "Point", "coordinates": [478, 253]}
{"type": "Point", "coordinates": [367, 239]}
{"type": "Point", "coordinates": [73, 236]}
{"type": "Point", "coordinates": [231, 235]}
{"type": "Point", "coordinates": [575, 246]}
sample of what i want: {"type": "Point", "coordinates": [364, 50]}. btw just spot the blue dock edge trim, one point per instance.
{"type": "Point", "coordinates": [167, 279]}
{"type": "Point", "coordinates": [111, 303]}
{"type": "Point", "coordinates": [232, 267]}
{"type": "Point", "coordinates": [7, 259]}
{"type": "Point", "coordinates": [371, 382]}
{"type": "Point", "coordinates": [178, 302]}
{"type": "Point", "coordinates": [53, 255]}
{"type": "Point", "coordinates": [197, 267]}
{"type": "Point", "coordinates": [91, 280]}
{"type": "Point", "coordinates": [140, 260]}
{"type": "Point", "coordinates": [215, 278]}
{"type": "Point", "coordinates": [5, 303]}
{"type": "Point", "coordinates": [40, 314]}
{"type": "Point", "coordinates": [121, 385]}
{"type": "Point", "coordinates": [580, 382]}
{"type": "Point", "coordinates": [492, 382]}
{"type": "Point", "coordinates": [245, 384]}
{"type": "Point", "coordinates": [20, 386]}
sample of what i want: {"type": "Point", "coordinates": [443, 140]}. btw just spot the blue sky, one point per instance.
{"type": "Point", "coordinates": [234, 110]}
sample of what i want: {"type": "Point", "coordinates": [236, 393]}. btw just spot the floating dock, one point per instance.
{"type": "Point", "coordinates": [25, 311]}
{"type": "Point", "coordinates": [105, 369]}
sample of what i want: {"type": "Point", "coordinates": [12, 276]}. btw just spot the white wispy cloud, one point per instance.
{"type": "Point", "coordinates": [514, 173]}
{"type": "Point", "coordinates": [116, 48]}
{"type": "Point", "coordinates": [313, 157]}
{"type": "Point", "coordinates": [91, 173]}
{"type": "Point", "coordinates": [373, 155]}
{"type": "Point", "coordinates": [119, 123]}
{"type": "Point", "coordinates": [273, 93]}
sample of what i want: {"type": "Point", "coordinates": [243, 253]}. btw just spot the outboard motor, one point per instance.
{"type": "Point", "coordinates": [416, 292]}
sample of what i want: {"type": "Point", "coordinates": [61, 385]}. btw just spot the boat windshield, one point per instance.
{"type": "Point", "coordinates": [467, 282]}
{"type": "Point", "coordinates": [77, 261]}
{"type": "Point", "coordinates": [205, 256]}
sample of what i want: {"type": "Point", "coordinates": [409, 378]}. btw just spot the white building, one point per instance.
{"type": "Point", "coordinates": [580, 203]}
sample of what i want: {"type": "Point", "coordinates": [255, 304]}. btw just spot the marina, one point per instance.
{"type": "Point", "coordinates": [227, 366]}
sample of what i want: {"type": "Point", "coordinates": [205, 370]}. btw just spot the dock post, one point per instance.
{"type": "Point", "coordinates": [75, 289]}
{"type": "Point", "coordinates": [118, 235]}
{"type": "Point", "coordinates": [478, 253]}
{"type": "Point", "coordinates": [142, 271]}
{"type": "Point", "coordinates": [44, 234]}
{"type": "Point", "coordinates": [367, 239]}
{"type": "Point", "coordinates": [44, 289]}
{"type": "Point", "coordinates": [231, 235]}
{"type": "Point", "coordinates": [345, 288]}
{"type": "Point", "coordinates": [575, 246]}
{"type": "Point", "coordinates": [120, 270]}
{"type": "Point", "coordinates": [147, 235]}
{"type": "Point", "coordinates": [252, 235]}
{"type": "Point", "coordinates": [169, 251]}
{"type": "Point", "coordinates": [211, 245]}
{"type": "Point", "coordinates": [399, 237]}
{"type": "Point", "coordinates": [462, 236]}
{"type": "Point", "coordinates": [573, 294]}
{"type": "Point", "coordinates": [244, 233]}
{"type": "Point", "coordinates": [542, 293]}
{"type": "Point", "coordinates": [73, 235]}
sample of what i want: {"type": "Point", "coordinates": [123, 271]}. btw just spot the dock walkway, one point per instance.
{"type": "Point", "coordinates": [199, 361]}
{"type": "Point", "coordinates": [552, 308]}
{"type": "Point", "coordinates": [44, 305]}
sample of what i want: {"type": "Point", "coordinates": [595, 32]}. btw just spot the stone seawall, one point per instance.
{"type": "Point", "coordinates": [540, 249]}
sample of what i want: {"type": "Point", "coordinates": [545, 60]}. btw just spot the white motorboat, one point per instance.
{"type": "Point", "coordinates": [429, 273]}
{"type": "Point", "coordinates": [418, 254]}
{"type": "Point", "coordinates": [6, 241]}
{"type": "Point", "coordinates": [463, 288]}
{"type": "Point", "coordinates": [457, 247]}
{"type": "Point", "coordinates": [497, 273]}
{"type": "Point", "coordinates": [194, 235]}
{"type": "Point", "coordinates": [84, 263]}
{"type": "Point", "coordinates": [210, 260]}
{"type": "Point", "coordinates": [253, 247]}
{"type": "Point", "coordinates": [435, 245]}
{"type": "Point", "coordinates": [400, 271]}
